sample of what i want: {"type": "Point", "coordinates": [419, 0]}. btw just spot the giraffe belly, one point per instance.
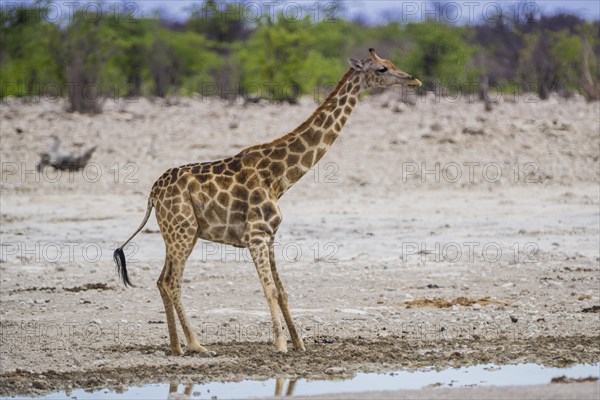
{"type": "Point", "coordinates": [217, 224]}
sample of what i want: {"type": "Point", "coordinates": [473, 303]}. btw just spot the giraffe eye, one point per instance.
{"type": "Point", "coordinates": [382, 69]}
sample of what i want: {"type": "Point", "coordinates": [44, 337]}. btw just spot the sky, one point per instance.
{"type": "Point", "coordinates": [375, 11]}
{"type": "Point", "coordinates": [367, 11]}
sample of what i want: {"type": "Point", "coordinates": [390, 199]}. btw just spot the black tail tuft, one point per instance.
{"type": "Point", "coordinates": [119, 257]}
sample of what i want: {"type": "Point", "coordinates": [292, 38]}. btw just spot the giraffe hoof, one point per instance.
{"type": "Point", "coordinates": [281, 345]}
{"type": "Point", "coordinates": [300, 347]}
{"type": "Point", "coordinates": [281, 348]}
{"type": "Point", "coordinates": [197, 348]}
{"type": "Point", "coordinates": [177, 351]}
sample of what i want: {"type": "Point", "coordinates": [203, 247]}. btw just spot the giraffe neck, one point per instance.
{"type": "Point", "coordinates": [310, 141]}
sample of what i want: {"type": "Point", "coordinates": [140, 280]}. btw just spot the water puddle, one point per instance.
{"type": "Point", "coordinates": [479, 375]}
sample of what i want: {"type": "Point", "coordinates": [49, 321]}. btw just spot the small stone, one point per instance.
{"type": "Point", "coordinates": [436, 127]}
{"type": "Point", "coordinates": [399, 108]}
{"type": "Point", "coordinates": [38, 384]}
{"type": "Point", "coordinates": [473, 131]}
{"type": "Point", "coordinates": [335, 371]}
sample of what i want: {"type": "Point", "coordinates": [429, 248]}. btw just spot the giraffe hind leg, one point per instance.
{"type": "Point", "coordinates": [180, 235]}
{"type": "Point", "coordinates": [169, 310]}
{"type": "Point", "coordinates": [171, 286]}
{"type": "Point", "coordinates": [193, 344]}
{"type": "Point", "coordinates": [171, 295]}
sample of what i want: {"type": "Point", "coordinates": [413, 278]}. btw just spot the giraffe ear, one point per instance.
{"type": "Point", "coordinates": [356, 65]}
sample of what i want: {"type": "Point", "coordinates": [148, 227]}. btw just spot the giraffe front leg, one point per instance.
{"type": "Point", "coordinates": [282, 299]}
{"type": "Point", "coordinates": [259, 249]}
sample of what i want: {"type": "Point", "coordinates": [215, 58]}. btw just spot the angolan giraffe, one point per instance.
{"type": "Point", "coordinates": [234, 201]}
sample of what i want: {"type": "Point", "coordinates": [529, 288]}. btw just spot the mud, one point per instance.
{"type": "Point", "coordinates": [564, 379]}
{"type": "Point", "coordinates": [340, 358]}
{"type": "Point", "coordinates": [443, 303]}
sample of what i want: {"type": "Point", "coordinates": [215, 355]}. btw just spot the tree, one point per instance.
{"type": "Point", "coordinates": [282, 60]}
{"type": "Point", "coordinates": [441, 53]}
{"type": "Point", "coordinates": [88, 45]}
{"type": "Point", "coordinates": [222, 22]}
{"type": "Point", "coordinates": [179, 62]}
{"type": "Point", "coordinates": [555, 61]}
{"type": "Point", "coordinates": [28, 55]}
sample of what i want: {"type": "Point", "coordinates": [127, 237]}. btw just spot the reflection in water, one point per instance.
{"type": "Point", "coordinates": [477, 375]}
{"type": "Point", "coordinates": [174, 394]}
{"type": "Point", "coordinates": [187, 390]}
{"type": "Point", "coordinates": [280, 382]}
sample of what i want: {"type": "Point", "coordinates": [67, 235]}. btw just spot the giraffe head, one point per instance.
{"type": "Point", "coordinates": [378, 72]}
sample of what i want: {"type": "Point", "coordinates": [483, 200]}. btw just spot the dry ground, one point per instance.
{"type": "Point", "coordinates": [430, 235]}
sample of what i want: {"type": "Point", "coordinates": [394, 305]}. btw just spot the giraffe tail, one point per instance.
{"type": "Point", "coordinates": [119, 255]}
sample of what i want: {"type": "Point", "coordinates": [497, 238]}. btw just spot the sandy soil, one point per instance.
{"type": "Point", "coordinates": [429, 235]}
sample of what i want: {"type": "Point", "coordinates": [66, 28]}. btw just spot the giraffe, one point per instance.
{"type": "Point", "coordinates": [234, 201]}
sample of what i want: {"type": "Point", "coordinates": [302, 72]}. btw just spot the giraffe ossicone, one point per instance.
{"type": "Point", "coordinates": [234, 201]}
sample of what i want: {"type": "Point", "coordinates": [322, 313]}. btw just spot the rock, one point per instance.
{"type": "Point", "coordinates": [399, 108]}
{"type": "Point", "coordinates": [335, 371]}
{"type": "Point", "coordinates": [59, 161]}
{"type": "Point", "coordinates": [473, 131]}
{"type": "Point", "coordinates": [39, 384]}
{"type": "Point", "coordinates": [436, 127]}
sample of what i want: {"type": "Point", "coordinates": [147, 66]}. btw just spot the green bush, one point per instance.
{"type": "Point", "coordinates": [281, 60]}
{"type": "Point", "coordinates": [440, 54]}
{"type": "Point", "coordinates": [29, 65]}
{"type": "Point", "coordinates": [216, 52]}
